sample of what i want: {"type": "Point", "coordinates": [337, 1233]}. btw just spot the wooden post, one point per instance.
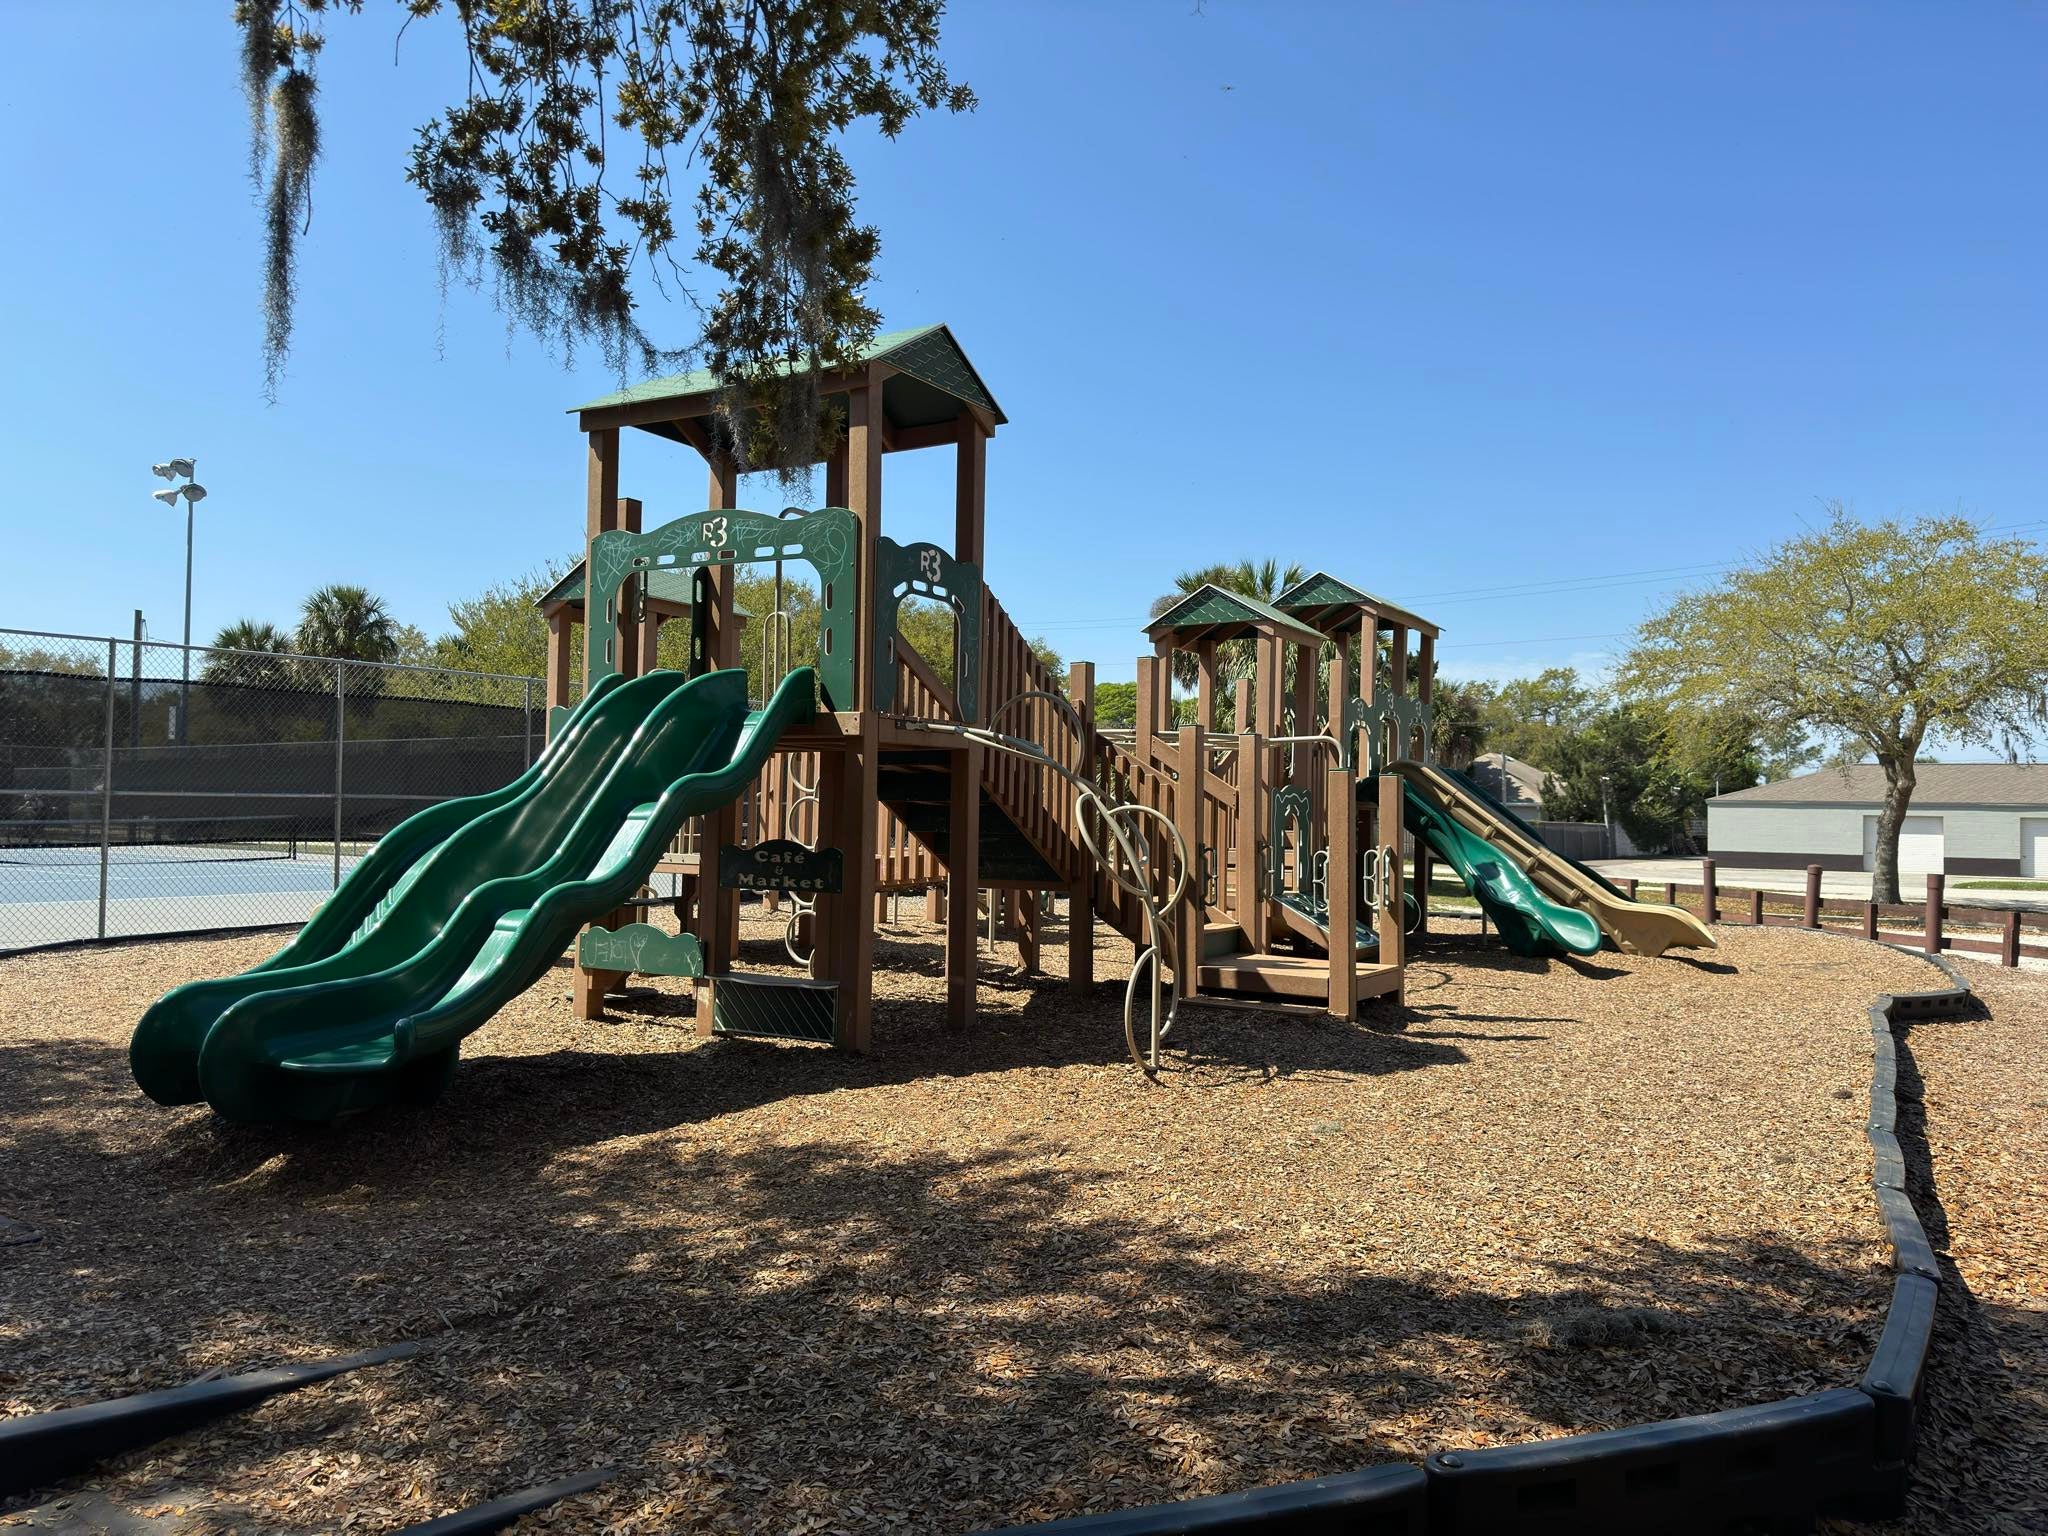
{"type": "Point", "coordinates": [1392, 947]}
{"type": "Point", "coordinates": [1188, 794]}
{"type": "Point", "coordinates": [1710, 900]}
{"type": "Point", "coordinates": [934, 905]}
{"type": "Point", "coordinates": [1756, 909]}
{"type": "Point", "coordinates": [2009, 938]}
{"type": "Point", "coordinates": [601, 498]}
{"type": "Point", "coordinates": [1340, 687]}
{"type": "Point", "coordinates": [963, 886]}
{"type": "Point", "coordinates": [970, 492]}
{"type": "Point", "coordinates": [1931, 939]}
{"type": "Point", "coordinates": [1081, 894]}
{"type": "Point", "coordinates": [856, 976]}
{"type": "Point", "coordinates": [1249, 896]}
{"type": "Point", "coordinates": [1145, 722]}
{"type": "Point", "coordinates": [718, 911]}
{"type": "Point", "coordinates": [1425, 668]}
{"type": "Point", "coordinates": [1628, 887]}
{"type": "Point", "coordinates": [1241, 706]}
{"type": "Point", "coordinates": [561, 656]}
{"type": "Point", "coordinates": [1870, 919]}
{"type": "Point", "coordinates": [1813, 895]}
{"type": "Point", "coordinates": [1205, 684]}
{"type": "Point", "coordinates": [1343, 893]}
{"type": "Point", "coordinates": [864, 500]}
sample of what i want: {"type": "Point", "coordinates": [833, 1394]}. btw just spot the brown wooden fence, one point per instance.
{"type": "Point", "coordinates": [1931, 925]}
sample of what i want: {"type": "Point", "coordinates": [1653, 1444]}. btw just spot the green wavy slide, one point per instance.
{"type": "Point", "coordinates": [1530, 922]}
{"type": "Point", "coordinates": [462, 907]}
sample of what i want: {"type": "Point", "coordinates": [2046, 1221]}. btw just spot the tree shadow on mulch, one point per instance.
{"type": "Point", "coordinates": [905, 1328]}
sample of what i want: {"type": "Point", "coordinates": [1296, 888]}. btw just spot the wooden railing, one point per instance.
{"type": "Point", "coordinates": [1038, 800]}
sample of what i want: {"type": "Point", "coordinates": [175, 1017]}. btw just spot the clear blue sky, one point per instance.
{"type": "Point", "coordinates": [1454, 300]}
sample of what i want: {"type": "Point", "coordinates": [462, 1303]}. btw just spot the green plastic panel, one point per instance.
{"type": "Point", "coordinates": [925, 570]}
{"type": "Point", "coordinates": [642, 949]}
{"type": "Point", "coordinates": [775, 1009]}
{"type": "Point", "coordinates": [826, 539]}
{"type": "Point", "coordinates": [1387, 715]}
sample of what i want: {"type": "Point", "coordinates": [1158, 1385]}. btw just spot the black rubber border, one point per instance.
{"type": "Point", "coordinates": [41, 1448]}
{"type": "Point", "coordinates": [1776, 1465]}
{"type": "Point", "coordinates": [499, 1513]}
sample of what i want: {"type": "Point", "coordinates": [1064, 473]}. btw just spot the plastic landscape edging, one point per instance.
{"type": "Point", "coordinates": [40, 1448]}
{"type": "Point", "coordinates": [499, 1513]}
{"type": "Point", "coordinates": [1843, 1451]}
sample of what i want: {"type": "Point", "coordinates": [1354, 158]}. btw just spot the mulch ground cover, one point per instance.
{"type": "Point", "coordinates": [977, 1277]}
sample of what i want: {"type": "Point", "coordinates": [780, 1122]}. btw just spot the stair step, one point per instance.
{"type": "Point", "coordinates": [1219, 939]}
{"type": "Point", "coordinates": [1301, 978]}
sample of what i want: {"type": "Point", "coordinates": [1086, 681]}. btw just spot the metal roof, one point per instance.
{"type": "Point", "coordinates": [1211, 612]}
{"type": "Point", "coordinates": [1325, 602]}
{"type": "Point", "coordinates": [1954, 784]}
{"type": "Point", "coordinates": [933, 378]}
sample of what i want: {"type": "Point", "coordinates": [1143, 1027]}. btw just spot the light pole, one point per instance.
{"type": "Point", "coordinates": [191, 492]}
{"type": "Point", "coordinates": [1607, 811]}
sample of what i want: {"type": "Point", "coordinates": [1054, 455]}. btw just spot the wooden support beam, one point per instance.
{"type": "Point", "coordinates": [601, 499]}
{"type": "Point", "coordinates": [1146, 704]}
{"type": "Point", "coordinates": [864, 500]}
{"type": "Point", "coordinates": [1392, 946]}
{"type": "Point", "coordinates": [1341, 883]}
{"type": "Point", "coordinates": [561, 656]}
{"type": "Point", "coordinates": [1241, 706]}
{"type": "Point", "coordinates": [1191, 757]}
{"type": "Point", "coordinates": [970, 490]}
{"type": "Point", "coordinates": [963, 886]}
{"type": "Point", "coordinates": [1205, 684]}
{"type": "Point", "coordinates": [1249, 898]}
{"type": "Point", "coordinates": [1081, 895]}
{"type": "Point", "coordinates": [1340, 687]}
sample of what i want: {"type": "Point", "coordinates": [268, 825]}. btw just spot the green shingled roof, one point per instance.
{"type": "Point", "coordinates": [1322, 597]}
{"type": "Point", "coordinates": [927, 356]}
{"type": "Point", "coordinates": [1215, 613]}
{"type": "Point", "coordinates": [670, 584]}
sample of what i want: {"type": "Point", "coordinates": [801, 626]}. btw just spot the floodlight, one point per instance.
{"type": "Point", "coordinates": [192, 490]}
{"type": "Point", "coordinates": [163, 471]}
{"type": "Point", "coordinates": [183, 467]}
{"type": "Point", "coordinates": [168, 498]}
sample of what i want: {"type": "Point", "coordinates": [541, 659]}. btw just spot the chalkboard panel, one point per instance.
{"type": "Point", "coordinates": [781, 865]}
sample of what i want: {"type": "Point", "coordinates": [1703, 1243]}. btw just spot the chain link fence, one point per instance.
{"type": "Point", "coordinates": [151, 788]}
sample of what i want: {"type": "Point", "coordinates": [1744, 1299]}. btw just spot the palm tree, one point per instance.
{"type": "Point", "coordinates": [1261, 579]}
{"type": "Point", "coordinates": [348, 623]}
{"type": "Point", "coordinates": [257, 641]}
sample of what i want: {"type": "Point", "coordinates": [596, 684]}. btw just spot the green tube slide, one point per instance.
{"type": "Point", "coordinates": [456, 928]}
{"type": "Point", "coordinates": [1530, 922]}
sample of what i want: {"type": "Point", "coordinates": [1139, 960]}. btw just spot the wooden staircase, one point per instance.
{"type": "Point", "coordinates": [917, 786]}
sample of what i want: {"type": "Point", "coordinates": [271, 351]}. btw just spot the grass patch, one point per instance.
{"type": "Point", "coordinates": [2000, 885]}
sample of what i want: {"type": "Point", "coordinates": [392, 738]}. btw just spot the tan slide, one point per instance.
{"type": "Point", "coordinates": [1637, 927]}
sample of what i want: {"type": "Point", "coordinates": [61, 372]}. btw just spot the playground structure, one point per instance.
{"type": "Point", "coordinates": [1259, 868]}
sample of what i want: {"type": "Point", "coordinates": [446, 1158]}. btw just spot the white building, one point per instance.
{"type": "Point", "coordinates": [1965, 819]}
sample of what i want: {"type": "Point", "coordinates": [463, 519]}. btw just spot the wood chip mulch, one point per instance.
{"type": "Point", "coordinates": [1974, 1121]}
{"type": "Point", "coordinates": [974, 1278]}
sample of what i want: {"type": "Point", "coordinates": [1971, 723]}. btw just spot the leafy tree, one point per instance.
{"type": "Point", "coordinates": [1867, 636]}
{"type": "Point", "coordinates": [502, 629]}
{"type": "Point", "coordinates": [1532, 717]}
{"type": "Point", "coordinates": [1116, 704]}
{"type": "Point", "coordinates": [557, 173]}
{"type": "Point", "coordinates": [264, 645]}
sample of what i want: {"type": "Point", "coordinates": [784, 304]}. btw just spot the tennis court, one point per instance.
{"type": "Point", "coordinates": [51, 895]}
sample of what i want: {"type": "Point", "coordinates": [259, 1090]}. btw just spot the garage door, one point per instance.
{"type": "Point", "coordinates": [2034, 847]}
{"type": "Point", "coordinates": [1920, 845]}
